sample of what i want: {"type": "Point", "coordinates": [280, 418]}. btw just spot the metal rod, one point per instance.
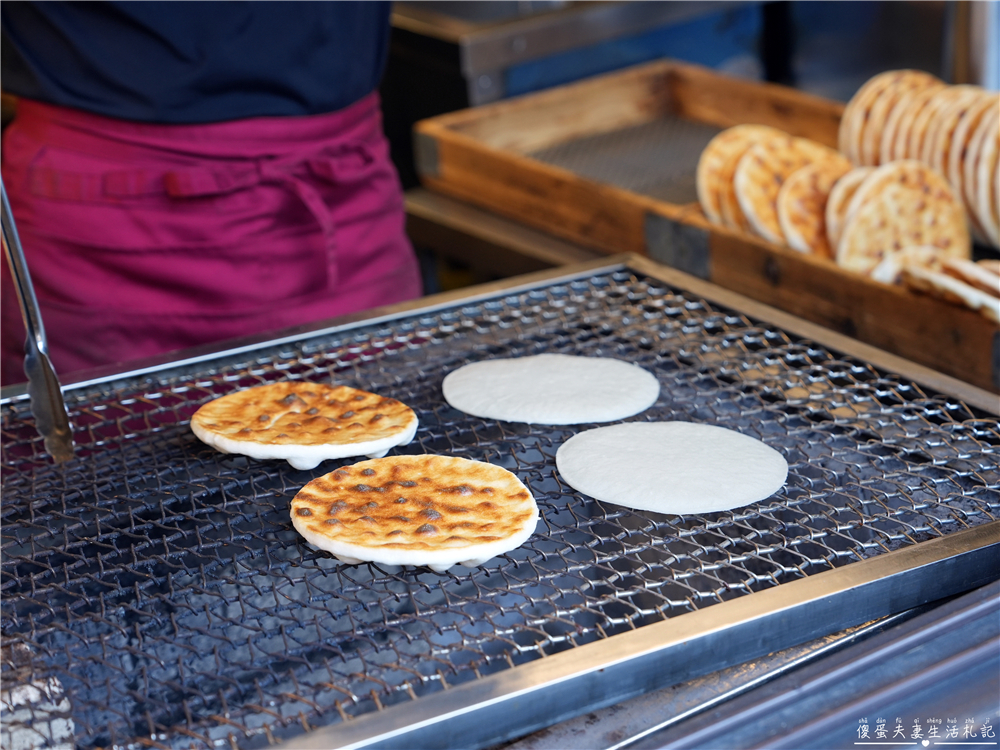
{"type": "Point", "coordinates": [47, 404]}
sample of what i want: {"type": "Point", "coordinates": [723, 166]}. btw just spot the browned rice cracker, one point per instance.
{"type": "Point", "coordinates": [304, 423]}
{"type": "Point", "coordinates": [428, 510]}
{"type": "Point", "coordinates": [900, 204]}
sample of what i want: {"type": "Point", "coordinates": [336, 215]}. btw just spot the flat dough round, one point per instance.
{"type": "Point", "coordinates": [678, 468]}
{"type": "Point", "coordinates": [551, 389]}
{"type": "Point", "coordinates": [428, 510]}
{"type": "Point", "coordinates": [304, 423]}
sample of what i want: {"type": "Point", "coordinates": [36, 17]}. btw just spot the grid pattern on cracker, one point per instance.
{"type": "Point", "coordinates": [296, 413]}
{"type": "Point", "coordinates": [415, 503]}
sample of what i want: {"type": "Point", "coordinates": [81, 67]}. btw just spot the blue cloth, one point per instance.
{"type": "Point", "coordinates": [194, 62]}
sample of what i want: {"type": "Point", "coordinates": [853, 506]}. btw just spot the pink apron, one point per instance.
{"type": "Point", "coordinates": [142, 239]}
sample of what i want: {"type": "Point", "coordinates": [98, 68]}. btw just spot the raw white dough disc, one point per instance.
{"type": "Point", "coordinates": [552, 389]}
{"type": "Point", "coordinates": [679, 468]}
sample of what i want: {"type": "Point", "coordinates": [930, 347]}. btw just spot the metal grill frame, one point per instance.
{"type": "Point", "coordinates": [542, 692]}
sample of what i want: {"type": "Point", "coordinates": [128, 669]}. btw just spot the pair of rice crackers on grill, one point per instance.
{"type": "Point", "coordinates": [401, 510]}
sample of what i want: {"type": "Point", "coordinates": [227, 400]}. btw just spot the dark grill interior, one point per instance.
{"type": "Point", "coordinates": [154, 592]}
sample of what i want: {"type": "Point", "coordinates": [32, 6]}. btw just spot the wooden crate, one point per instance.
{"type": "Point", "coordinates": [483, 155]}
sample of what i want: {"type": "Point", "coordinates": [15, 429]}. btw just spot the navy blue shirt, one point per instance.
{"type": "Point", "coordinates": [194, 62]}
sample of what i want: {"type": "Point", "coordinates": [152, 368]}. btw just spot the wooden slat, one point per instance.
{"type": "Point", "coordinates": [701, 95]}
{"type": "Point", "coordinates": [599, 105]}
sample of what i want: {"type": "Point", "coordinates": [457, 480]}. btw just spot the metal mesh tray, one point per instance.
{"type": "Point", "coordinates": [657, 158]}
{"type": "Point", "coordinates": [154, 593]}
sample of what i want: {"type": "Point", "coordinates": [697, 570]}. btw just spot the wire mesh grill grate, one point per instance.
{"type": "Point", "coordinates": [155, 594]}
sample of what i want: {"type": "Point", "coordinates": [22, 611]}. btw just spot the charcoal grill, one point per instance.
{"type": "Point", "coordinates": [155, 594]}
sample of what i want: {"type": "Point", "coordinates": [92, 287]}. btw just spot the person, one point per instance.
{"type": "Point", "coordinates": [183, 173]}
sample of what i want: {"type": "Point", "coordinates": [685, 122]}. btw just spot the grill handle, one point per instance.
{"type": "Point", "coordinates": [44, 391]}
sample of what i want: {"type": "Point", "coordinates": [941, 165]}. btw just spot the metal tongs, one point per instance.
{"type": "Point", "coordinates": [47, 404]}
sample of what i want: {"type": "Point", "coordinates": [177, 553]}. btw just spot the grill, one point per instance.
{"type": "Point", "coordinates": [155, 594]}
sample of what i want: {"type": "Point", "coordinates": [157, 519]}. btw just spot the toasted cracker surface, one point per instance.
{"type": "Point", "coordinates": [428, 510]}
{"type": "Point", "coordinates": [937, 140]}
{"type": "Point", "coordinates": [965, 128]}
{"type": "Point", "coordinates": [716, 165]}
{"type": "Point", "coordinates": [986, 198]}
{"type": "Point", "coordinates": [874, 122]}
{"type": "Point", "coordinates": [926, 121]}
{"type": "Point", "coordinates": [978, 144]}
{"type": "Point", "coordinates": [904, 203]}
{"type": "Point", "coordinates": [838, 201]}
{"type": "Point", "coordinates": [304, 423]}
{"type": "Point", "coordinates": [762, 170]}
{"type": "Point", "coordinates": [852, 120]}
{"type": "Point", "coordinates": [802, 205]}
{"type": "Point", "coordinates": [895, 133]}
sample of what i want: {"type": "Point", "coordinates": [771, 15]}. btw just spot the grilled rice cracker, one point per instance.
{"type": "Point", "coordinates": [986, 197]}
{"type": "Point", "coordinates": [838, 201]}
{"type": "Point", "coordinates": [871, 127]}
{"type": "Point", "coordinates": [802, 205]}
{"type": "Point", "coordinates": [927, 119]}
{"type": "Point", "coordinates": [953, 290]}
{"type": "Point", "coordinates": [855, 112]}
{"type": "Point", "coordinates": [940, 130]}
{"type": "Point", "coordinates": [965, 128]}
{"type": "Point", "coordinates": [910, 205]}
{"type": "Point", "coordinates": [304, 423]}
{"type": "Point", "coordinates": [763, 169]}
{"type": "Point", "coordinates": [428, 510]}
{"type": "Point", "coordinates": [960, 150]}
{"type": "Point", "coordinates": [715, 172]}
{"type": "Point", "coordinates": [992, 265]}
{"type": "Point", "coordinates": [978, 144]}
{"type": "Point", "coordinates": [899, 121]}
{"type": "Point", "coordinates": [980, 276]}
{"type": "Point", "coordinates": [941, 139]}
{"type": "Point", "coordinates": [890, 268]}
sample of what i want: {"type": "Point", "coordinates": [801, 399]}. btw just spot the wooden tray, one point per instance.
{"type": "Point", "coordinates": [499, 156]}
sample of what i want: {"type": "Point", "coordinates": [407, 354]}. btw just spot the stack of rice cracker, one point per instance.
{"type": "Point", "coordinates": [914, 178]}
